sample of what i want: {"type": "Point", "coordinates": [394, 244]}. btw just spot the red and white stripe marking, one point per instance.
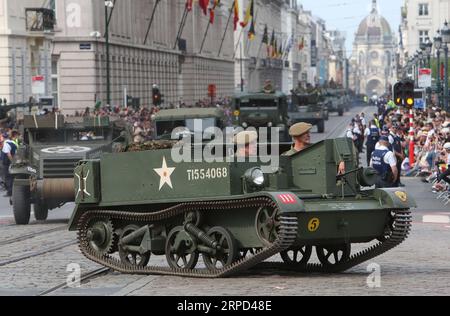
{"type": "Point", "coordinates": [287, 198]}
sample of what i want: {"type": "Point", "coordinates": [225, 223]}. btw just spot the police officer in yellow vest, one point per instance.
{"type": "Point", "coordinates": [301, 134]}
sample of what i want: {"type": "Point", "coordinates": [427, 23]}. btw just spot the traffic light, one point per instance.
{"type": "Point", "coordinates": [408, 92]}
{"type": "Point", "coordinates": [404, 93]}
{"type": "Point", "coordinates": [156, 96]}
{"type": "Point", "coordinates": [398, 93]}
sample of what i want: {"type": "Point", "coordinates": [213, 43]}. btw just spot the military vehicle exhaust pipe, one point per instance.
{"type": "Point", "coordinates": [61, 189]}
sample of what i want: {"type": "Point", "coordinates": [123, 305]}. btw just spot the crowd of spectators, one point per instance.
{"type": "Point", "coordinates": [141, 119]}
{"type": "Point", "coordinates": [431, 140]}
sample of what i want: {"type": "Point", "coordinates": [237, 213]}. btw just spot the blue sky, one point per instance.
{"type": "Point", "coordinates": [345, 15]}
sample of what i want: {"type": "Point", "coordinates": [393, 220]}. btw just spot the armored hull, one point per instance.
{"type": "Point", "coordinates": [143, 204]}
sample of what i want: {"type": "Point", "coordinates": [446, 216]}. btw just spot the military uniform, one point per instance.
{"type": "Point", "coordinates": [297, 130]}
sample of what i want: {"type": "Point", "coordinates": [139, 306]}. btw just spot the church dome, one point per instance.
{"type": "Point", "coordinates": [374, 24]}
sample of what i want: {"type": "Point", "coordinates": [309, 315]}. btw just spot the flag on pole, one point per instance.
{"type": "Point", "coordinates": [212, 11]}
{"type": "Point", "coordinates": [189, 5]}
{"type": "Point", "coordinates": [301, 45]}
{"type": "Point", "coordinates": [289, 45]}
{"type": "Point", "coordinates": [271, 44]}
{"type": "Point", "coordinates": [204, 6]}
{"type": "Point", "coordinates": [251, 31]}
{"type": "Point", "coordinates": [248, 14]}
{"type": "Point", "coordinates": [275, 49]}
{"type": "Point", "coordinates": [236, 14]}
{"type": "Point", "coordinates": [265, 38]}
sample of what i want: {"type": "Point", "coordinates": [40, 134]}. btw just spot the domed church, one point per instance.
{"type": "Point", "coordinates": [373, 59]}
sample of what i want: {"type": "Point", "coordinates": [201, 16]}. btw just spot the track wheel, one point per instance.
{"type": "Point", "coordinates": [101, 236]}
{"type": "Point", "coordinates": [40, 210]}
{"type": "Point", "coordinates": [21, 204]}
{"type": "Point", "coordinates": [226, 251]}
{"type": "Point", "coordinates": [298, 256]}
{"type": "Point", "coordinates": [267, 225]}
{"type": "Point", "coordinates": [130, 254]}
{"type": "Point", "coordinates": [181, 250]}
{"type": "Point", "coordinates": [333, 255]}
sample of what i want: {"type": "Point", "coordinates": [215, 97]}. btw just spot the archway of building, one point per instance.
{"type": "Point", "coordinates": [375, 87]}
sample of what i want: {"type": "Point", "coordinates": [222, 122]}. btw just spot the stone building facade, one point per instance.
{"type": "Point", "coordinates": [24, 52]}
{"type": "Point", "coordinates": [136, 63]}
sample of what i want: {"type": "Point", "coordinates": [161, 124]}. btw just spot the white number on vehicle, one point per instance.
{"type": "Point", "coordinates": [207, 174]}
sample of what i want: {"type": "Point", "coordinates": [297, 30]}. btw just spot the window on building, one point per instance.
{"type": "Point", "coordinates": [55, 83]}
{"type": "Point", "coordinates": [423, 35]}
{"type": "Point", "coordinates": [423, 9]}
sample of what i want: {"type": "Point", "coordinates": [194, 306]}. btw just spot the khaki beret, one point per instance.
{"type": "Point", "coordinates": [299, 129]}
{"type": "Point", "coordinates": [245, 138]}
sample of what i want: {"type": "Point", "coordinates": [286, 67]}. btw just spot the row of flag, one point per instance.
{"type": "Point", "coordinates": [274, 49]}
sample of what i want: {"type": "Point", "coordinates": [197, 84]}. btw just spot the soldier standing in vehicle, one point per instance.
{"type": "Point", "coordinates": [246, 143]}
{"type": "Point", "coordinates": [384, 161]}
{"type": "Point", "coordinates": [301, 134]}
{"type": "Point", "coordinates": [8, 152]}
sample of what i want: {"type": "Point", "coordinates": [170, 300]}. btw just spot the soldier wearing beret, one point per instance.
{"type": "Point", "coordinates": [246, 144]}
{"type": "Point", "coordinates": [301, 134]}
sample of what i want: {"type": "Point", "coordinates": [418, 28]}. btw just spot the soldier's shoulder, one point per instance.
{"type": "Point", "coordinates": [290, 153]}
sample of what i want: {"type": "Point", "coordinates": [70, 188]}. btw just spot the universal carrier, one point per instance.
{"type": "Point", "coordinates": [134, 206]}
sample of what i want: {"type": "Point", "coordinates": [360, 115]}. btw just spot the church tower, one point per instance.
{"type": "Point", "coordinates": [373, 58]}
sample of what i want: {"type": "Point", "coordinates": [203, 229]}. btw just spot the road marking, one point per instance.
{"type": "Point", "coordinates": [436, 219]}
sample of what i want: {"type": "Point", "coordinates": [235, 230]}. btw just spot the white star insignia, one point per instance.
{"type": "Point", "coordinates": [164, 172]}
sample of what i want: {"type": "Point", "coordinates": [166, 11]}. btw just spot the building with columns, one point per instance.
{"type": "Point", "coordinates": [140, 57]}
{"type": "Point", "coordinates": [373, 59]}
{"type": "Point", "coordinates": [25, 49]}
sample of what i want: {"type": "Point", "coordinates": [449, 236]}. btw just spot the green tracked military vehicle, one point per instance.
{"type": "Point", "coordinates": [309, 109]}
{"type": "Point", "coordinates": [135, 205]}
{"type": "Point", "coordinates": [53, 145]}
{"type": "Point", "coordinates": [166, 121]}
{"type": "Point", "coordinates": [262, 109]}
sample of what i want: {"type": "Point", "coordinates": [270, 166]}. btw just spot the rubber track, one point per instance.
{"type": "Point", "coordinates": [286, 236]}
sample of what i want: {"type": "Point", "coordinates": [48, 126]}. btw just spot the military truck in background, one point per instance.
{"type": "Point", "coordinates": [334, 100]}
{"type": "Point", "coordinates": [308, 108]}
{"type": "Point", "coordinates": [43, 168]}
{"type": "Point", "coordinates": [262, 109]}
{"type": "Point", "coordinates": [166, 121]}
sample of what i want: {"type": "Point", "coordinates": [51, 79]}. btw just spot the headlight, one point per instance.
{"type": "Point", "coordinates": [244, 125]}
{"type": "Point", "coordinates": [254, 179]}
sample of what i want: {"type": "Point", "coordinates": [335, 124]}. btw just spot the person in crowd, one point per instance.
{"type": "Point", "coordinates": [9, 151]}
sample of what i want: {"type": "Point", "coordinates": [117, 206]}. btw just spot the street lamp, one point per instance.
{"type": "Point", "coordinates": [416, 70]}
{"type": "Point", "coordinates": [428, 49]}
{"type": "Point", "coordinates": [108, 4]}
{"type": "Point", "coordinates": [445, 32]}
{"type": "Point", "coordinates": [420, 53]}
{"type": "Point", "coordinates": [438, 46]}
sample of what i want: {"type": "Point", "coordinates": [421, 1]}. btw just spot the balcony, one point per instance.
{"type": "Point", "coordinates": [40, 20]}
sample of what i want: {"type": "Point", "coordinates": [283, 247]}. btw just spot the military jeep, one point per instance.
{"type": "Point", "coordinates": [43, 167]}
